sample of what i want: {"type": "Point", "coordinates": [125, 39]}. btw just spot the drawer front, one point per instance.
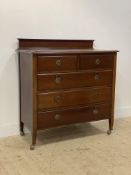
{"type": "Point", "coordinates": [74, 80]}
{"type": "Point", "coordinates": [73, 97]}
{"type": "Point", "coordinates": [69, 116]}
{"type": "Point", "coordinates": [96, 61]}
{"type": "Point", "coordinates": [56, 63]}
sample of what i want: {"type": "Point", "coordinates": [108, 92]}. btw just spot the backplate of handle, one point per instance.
{"type": "Point", "coordinates": [98, 61]}
{"type": "Point", "coordinates": [95, 111]}
{"type": "Point", "coordinates": [58, 62]}
{"type": "Point", "coordinates": [57, 99]}
{"type": "Point", "coordinates": [96, 94]}
{"type": "Point", "coordinates": [97, 77]}
{"type": "Point", "coordinates": [58, 79]}
{"type": "Point", "coordinates": [57, 117]}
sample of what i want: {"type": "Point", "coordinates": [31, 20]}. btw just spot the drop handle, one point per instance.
{"type": "Point", "coordinates": [95, 111]}
{"type": "Point", "coordinates": [57, 99]}
{"type": "Point", "coordinates": [57, 117]}
{"type": "Point", "coordinates": [97, 94]}
{"type": "Point", "coordinates": [98, 61]}
{"type": "Point", "coordinates": [58, 62]}
{"type": "Point", "coordinates": [58, 80]}
{"type": "Point", "coordinates": [97, 77]}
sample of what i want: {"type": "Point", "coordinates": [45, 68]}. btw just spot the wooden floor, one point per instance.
{"type": "Point", "coordinates": [83, 149]}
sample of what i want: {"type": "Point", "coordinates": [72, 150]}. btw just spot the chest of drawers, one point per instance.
{"type": "Point", "coordinates": [64, 82]}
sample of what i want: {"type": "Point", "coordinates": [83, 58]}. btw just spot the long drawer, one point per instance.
{"type": "Point", "coordinates": [76, 115]}
{"type": "Point", "coordinates": [74, 80]}
{"type": "Point", "coordinates": [96, 61]}
{"type": "Point", "coordinates": [56, 63]}
{"type": "Point", "coordinates": [73, 97]}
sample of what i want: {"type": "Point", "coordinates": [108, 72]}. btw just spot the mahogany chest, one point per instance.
{"type": "Point", "coordinates": [65, 82]}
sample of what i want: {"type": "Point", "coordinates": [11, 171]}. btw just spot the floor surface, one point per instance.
{"type": "Point", "coordinates": [83, 149]}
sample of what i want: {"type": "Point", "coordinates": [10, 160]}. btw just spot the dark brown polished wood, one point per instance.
{"type": "Point", "coordinates": [73, 97]}
{"type": "Point", "coordinates": [56, 63]}
{"type": "Point", "coordinates": [31, 43]}
{"type": "Point", "coordinates": [74, 115]}
{"type": "Point", "coordinates": [64, 82]}
{"type": "Point", "coordinates": [52, 81]}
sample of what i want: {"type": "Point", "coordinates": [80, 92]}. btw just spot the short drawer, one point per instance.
{"type": "Point", "coordinates": [74, 97]}
{"type": "Point", "coordinates": [56, 63]}
{"type": "Point", "coordinates": [74, 80]}
{"type": "Point", "coordinates": [76, 115]}
{"type": "Point", "coordinates": [96, 61]}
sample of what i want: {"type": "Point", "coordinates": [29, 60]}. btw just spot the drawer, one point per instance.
{"type": "Point", "coordinates": [74, 97]}
{"type": "Point", "coordinates": [74, 80]}
{"type": "Point", "coordinates": [76, 115]}
{"type": "Point", "coordinates": [96, 61]}
{"type": "Point", "coordinates": [56, 63]}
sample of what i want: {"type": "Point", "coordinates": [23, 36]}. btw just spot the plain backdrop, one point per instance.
{"type": "Point", "coordinates": [108, 22]}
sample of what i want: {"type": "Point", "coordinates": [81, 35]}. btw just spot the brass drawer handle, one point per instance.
{"type": "Point", "coordinates": [58, 80]}
{"type": "Point", "coordinates": [57, 99]}
{"type": "Point", "coordinates": [98, 61]}
{"type": "Point", "coordinates": [97, 77]}
{"type": "Point", "coordinates": [58, 62]}
{"type": "Point", "coordinates": [97, 94]}
{"type": "Point", "coordinates": [95, 111]}
{"type": "Point", "coordinates": [57, 117]}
